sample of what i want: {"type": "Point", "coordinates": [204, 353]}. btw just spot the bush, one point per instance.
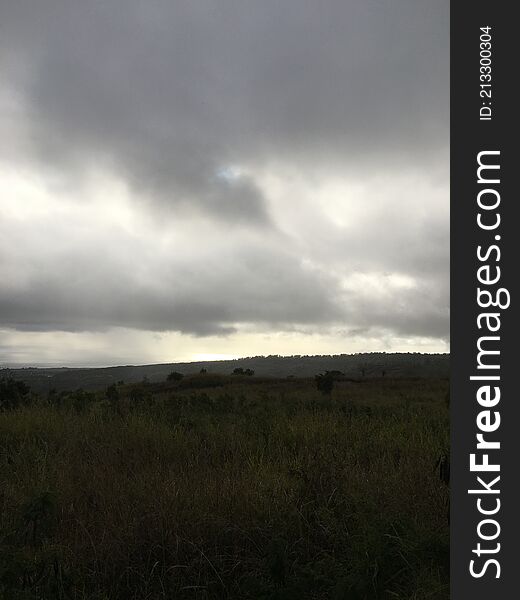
{"type": "Point", "coordinates": [13, 393]}
{"type": "Point", "coordinates": [240, 371]}
{"type": "Point", "coordinates": [174, 376]}
{"type": "Point", "coordinates": [324, 383]}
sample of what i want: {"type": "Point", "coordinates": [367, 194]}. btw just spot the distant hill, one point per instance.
{"type": "Point", "coordinates": [352, 365]}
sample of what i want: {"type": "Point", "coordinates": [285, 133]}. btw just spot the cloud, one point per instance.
{"type": "Point", "coordinates": [169, 91]}
{"type": "Point", "coordinates": [91, 274]}
{"type": "Point", "coordinates": [89, 271]}
{"type": "Point", "coordinates": [208, 168]}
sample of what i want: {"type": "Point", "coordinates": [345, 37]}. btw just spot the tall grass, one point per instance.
{"type": "Point", "coordinates": [269, 491]}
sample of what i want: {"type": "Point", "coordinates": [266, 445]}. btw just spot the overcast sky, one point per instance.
{"type": "Point", "coordinates": [184, 180]}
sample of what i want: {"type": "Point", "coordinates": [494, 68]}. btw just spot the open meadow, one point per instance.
{"type": "Point", "coordinates": [235, 487]}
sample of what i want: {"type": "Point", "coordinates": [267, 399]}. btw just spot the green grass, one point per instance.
{"type": "Point", "coordinates": [251, 489]}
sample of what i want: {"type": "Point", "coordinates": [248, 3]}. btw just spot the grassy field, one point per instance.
{"type": "Point", "coordinates": [222, 487]}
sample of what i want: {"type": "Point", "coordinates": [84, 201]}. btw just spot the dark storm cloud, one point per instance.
{"type": "Point", "coordinates": [170, 91]}
{"type": "Point", "coordinates": [186, 102]}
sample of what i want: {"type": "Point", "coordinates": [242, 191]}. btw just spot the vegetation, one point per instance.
{"type": "Point", "coordinates": [373, 364]}
{"type": "Point", "coordinates": [235, 487]}
{"type": "Point", "coordinates": [240, 371]}
{"type": "Point", "coordinates": [174, 376]}
{"type": "Point", "coordinates": [325, 381]}
{"type": "Point", "coordinates": [12, 393]}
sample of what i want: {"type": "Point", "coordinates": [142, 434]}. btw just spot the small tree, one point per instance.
{"type": "Point", "coordinates": [174, 376]}
{"type": "Point", "coordinates": [238, 371]}
{"type": "Point", "coordinates": [324, 383]}
{"type": "Point", "coordinates": [12, 393]}
{"type": "Point", "coordinates": [249, 372]}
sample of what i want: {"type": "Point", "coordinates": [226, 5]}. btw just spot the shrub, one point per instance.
{"type": "Point", "coordinates": [174, 376]}
{"type": "Point", "coordinates": [324, 383]}
{"type": "Point", "coordinates": [12, 393]}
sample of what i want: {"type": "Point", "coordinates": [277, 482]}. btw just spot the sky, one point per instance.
{"type": "Point", "coordinates": [205, 179]}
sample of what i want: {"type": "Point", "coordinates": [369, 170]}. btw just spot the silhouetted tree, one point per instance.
{"type": "Point", "coordinates": [12, 393]}
{"type": "Point", "coordinates": [324, 383]}
{"type": "Point", "coordinates": [174, 376]}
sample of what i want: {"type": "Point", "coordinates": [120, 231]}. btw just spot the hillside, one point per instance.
{"type": "Point", "coordinates": [353, 365]}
